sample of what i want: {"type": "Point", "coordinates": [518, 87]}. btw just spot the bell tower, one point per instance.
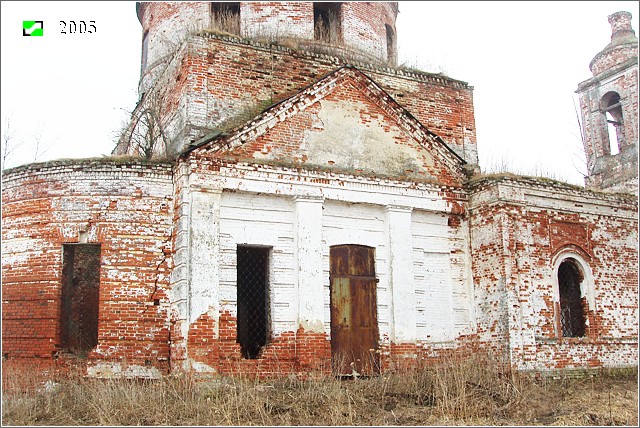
{"type": "Point", "coordinates": [609, 109]}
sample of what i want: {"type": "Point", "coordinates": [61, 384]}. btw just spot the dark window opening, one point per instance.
{"type": "Point", "coordinates": [391, 45]}
{"type": "Point", "coordinates": [253, 299]}
{"type": "Point", "coordinates": [572, 317]}
{"type": "Point", "coordinates": [225, 16]}
{"type": "Point", "coordinates": [80, 297]}
{"type": "Point", "coordinates": [327, 22]}
{"type": "Point", "coordinates": [612, 109]}
{"type": "Point", "coordinates": [145, 48]}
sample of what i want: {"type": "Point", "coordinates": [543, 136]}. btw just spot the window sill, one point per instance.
{"type": "Point", "coordinates": [587, 340]}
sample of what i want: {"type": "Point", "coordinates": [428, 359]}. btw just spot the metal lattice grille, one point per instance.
{"type": "Point", "coordinates": [253, 299]}
{"type": "Point", "coordinates": [565, 320]}
{"type": "Point", "coordinates": [571, 312]}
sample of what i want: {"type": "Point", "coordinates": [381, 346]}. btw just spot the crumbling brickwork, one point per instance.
{"type": "Point", "coordinates": [215, 82]}
{"type": "Point", "coordinates": [522, 230]}
{"type": "Point", "coordinates": [362, 28]}
{"type": "Point", "coordinates": [273, 147]}
{"type": "Point", "coordinates": [125, 207]}
{"type": "Point", "coordinates": [609, 109]}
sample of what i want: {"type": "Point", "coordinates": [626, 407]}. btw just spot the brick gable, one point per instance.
{"type": "Point", "coordinates": [345, 123]}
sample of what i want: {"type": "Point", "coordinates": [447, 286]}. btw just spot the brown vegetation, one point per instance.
{"type": "Point", "coordinates": [471, 391]}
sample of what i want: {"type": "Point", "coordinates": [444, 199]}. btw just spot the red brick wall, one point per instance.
{"type": "Point", "coordinates": [489, 261]}
{"type": "Point", "coordinates": [124, 207]}
{"type": "Point", "coordinates": [287, 352]}
{"type": "Point", "coordinates": [217, 83]}
{"type": "Point", "coordinates": [230, 80]}
{"type": "Point", "coordinates": [518, 228]}
{"type": "Point", "coordinates": [521, 230]}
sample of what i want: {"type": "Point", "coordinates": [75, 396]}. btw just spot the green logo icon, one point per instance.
{"type": "Point", "coordinates": [32, 28]}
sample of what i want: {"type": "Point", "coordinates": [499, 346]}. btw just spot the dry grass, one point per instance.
{"type": "Point", "coordinates": [458, 391]}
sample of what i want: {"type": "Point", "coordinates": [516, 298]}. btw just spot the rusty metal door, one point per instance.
{"type": "Point", "coordinates": [354, 319]}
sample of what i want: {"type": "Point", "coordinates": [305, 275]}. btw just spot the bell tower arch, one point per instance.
{"type": "Point", "coordinates": [609, 109]}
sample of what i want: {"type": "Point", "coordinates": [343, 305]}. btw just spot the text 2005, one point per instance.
{"type": "Point", "coordinates": [80, 27]}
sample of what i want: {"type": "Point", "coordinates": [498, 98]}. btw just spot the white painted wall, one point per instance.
{"type": "Point", "coordinates": [361, 224]}
{"type": "Point", "coordinates": [422, 263]}
{"type": "Point", "coordinates": [442, 276]}
{"type": "Point", "coordinates": [261, 220]}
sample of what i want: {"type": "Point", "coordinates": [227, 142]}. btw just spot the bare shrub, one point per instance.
{"type": "Point", "coordinates": [144, 135]}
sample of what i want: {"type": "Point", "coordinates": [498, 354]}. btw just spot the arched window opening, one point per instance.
{"type": "Point", "coordinates": [145, 48]}
{"type": "Point", "coordinates": [391, 45]}
{"type": "Point", "coordinates": [612, 109]}
{"type": "Point", "coordinates": [225, 16]}
{"type": "Point", "coordinates": [572, 317]}
{"type": "Point", "coordinates": [327, 22]}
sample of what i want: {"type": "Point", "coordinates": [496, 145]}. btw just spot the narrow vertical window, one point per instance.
{"type": "Point", "coordinates": [572, 317]}
{"type": "Point", "coordinates": [327, 22]}
{"type": "Point", "coordinates": [252, 299]}
{"type": "Point", "coordinates": [145, 48]}
{"type": "Point", "coordinates": [225, 16]}
{"type": "Point", "coordinates": [80, 297]}
{"type": "Point", "coordinates": [391, 45]}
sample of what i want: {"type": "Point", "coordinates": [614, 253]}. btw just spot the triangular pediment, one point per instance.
{"type": "Point", "coordinates": [347, 123]}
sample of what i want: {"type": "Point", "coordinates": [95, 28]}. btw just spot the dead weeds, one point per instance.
{"type": "Point", "coordinates": [458, 391]}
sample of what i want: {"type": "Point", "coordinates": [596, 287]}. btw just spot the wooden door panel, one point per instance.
{"type": "Point", "coordinates": [339, 257]}
{"type": "Point", "coordinates": [354, 324]}
{"type": "Point", "coordinates": [361, 261]}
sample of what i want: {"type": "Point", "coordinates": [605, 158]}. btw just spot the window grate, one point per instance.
{"type": "Point", "coordinates": [252, 299]}
{"type": "Point", "coordinates": [572, 317]}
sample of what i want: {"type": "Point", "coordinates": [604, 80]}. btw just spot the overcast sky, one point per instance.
{"type": "Point", "coordinates": [66, 95]}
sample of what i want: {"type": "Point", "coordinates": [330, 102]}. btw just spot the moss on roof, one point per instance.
{"type": "Point", "coordinates": [113, 160]}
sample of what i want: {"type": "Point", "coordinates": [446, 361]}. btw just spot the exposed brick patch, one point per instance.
{"type": "Point", "coordinates": [123, 206]}
{"type": "Point", "coordinates": [288, 352]}
{"type": "Point", "coordinates": [519, 237]}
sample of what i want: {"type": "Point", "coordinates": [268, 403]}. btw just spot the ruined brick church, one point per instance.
{"type": "Point", "coordinates": [286, 199]}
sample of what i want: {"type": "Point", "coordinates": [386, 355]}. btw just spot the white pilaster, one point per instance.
{"type": "Point", "coordinates": [308, 230]}
{"type": "Point", "coordinates": [401, 274]}
{"type": "Point", "coordinates": [204, 250]}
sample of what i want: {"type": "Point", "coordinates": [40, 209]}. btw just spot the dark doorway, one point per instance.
{"type": "Point", "coordinates": [354, 318]}
{"type": "Point", "coordinates": [253, 299]}
{"type": "Point", "coordinates": [572, 317]}
{"type": "Point", "coordinates": [80, 297]}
